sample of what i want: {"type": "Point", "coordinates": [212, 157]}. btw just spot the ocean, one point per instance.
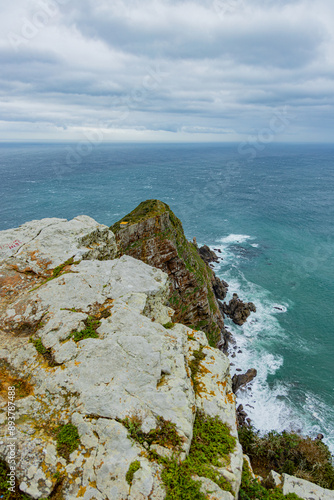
{"type": "Point", "coordinates": [268, 212]}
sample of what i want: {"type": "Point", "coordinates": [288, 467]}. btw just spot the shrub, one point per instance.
{"type": "Point", "coordinates": [291, 453]}
{"type": "Point", "coordinates": [89, 332]}
{"type": "Point", "coordinates": [252, 489]}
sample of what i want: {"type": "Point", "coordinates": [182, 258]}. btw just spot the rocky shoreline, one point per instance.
{"type": "Point", "coordinates": [113, 349]}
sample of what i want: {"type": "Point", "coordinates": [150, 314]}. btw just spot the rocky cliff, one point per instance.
{"type": "Point", "coordinates": [153, 234]}
{"type": "Point", "coordinates": [104, 393]}
{"type": "Point", "coordinates": [109, 403]}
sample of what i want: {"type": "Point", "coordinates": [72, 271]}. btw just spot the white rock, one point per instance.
{"type": "Point", "coordinates": [47, 243]}
{"type": "Point", "coordinates": [213, 491]}
{"type": "Point", "coordinates": [136, 368]}
{"type": "Point", "coordinates": [273, 480]}
{"type": "Point", "coordinates": [305, 489]}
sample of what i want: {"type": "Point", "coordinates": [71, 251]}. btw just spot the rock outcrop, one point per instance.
{"type": "Point", "coordinates": [220, 288]}
{"type": "Point", "coordinates": [242, 380]}
{"type": "Point", "coordinates": [102, 389]}
{"type": "Point", "coordinates": [300, 487]}
{"type": "Point", "coordinates": [153, 234]}
{"type": "Point", "coordinates": [207, 254]}
{"type": "Point", "coordinates": [238, 310]}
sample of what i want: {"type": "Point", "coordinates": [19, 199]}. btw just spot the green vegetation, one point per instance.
{"type": "Point", "coordinates": [168, 325]}
{"type": "Point", "coordinates": [67, 440]}
{"type": "Point", "coordinates": [38, 346]}
{"type": "Point", "coordinates": [194, 367]}
{"type": "Point", "coordinates": [210, 447]}
{"type": "Point", "coordinates": [89, 332]}
{"type": "Point", "coordinates": [290, 453]}
{"type": "Point", "coordinates": [252, 489]}
{"type": "Point", "coordinates": [46, 353]}
{"type": "Point", "coordinates": [164, 434]}
{"type": "Point", "coordinates": [59, 269]}
{"type": "Point", "coordinates": [134, 466]}
{"type": "Point", "coordinates": [4, 484]}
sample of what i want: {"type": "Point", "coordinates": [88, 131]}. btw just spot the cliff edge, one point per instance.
{"type": "Point", "coordinates": [153, 234]}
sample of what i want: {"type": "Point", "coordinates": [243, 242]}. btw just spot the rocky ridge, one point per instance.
{"type": "Point", "coordinates": [153, 234]}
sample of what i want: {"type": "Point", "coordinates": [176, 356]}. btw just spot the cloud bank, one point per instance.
{"type": "Point", "coordinates": [166, 70]}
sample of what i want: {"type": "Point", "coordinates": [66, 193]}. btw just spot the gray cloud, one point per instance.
{"type": "Point", "coordinates": [163, 69]}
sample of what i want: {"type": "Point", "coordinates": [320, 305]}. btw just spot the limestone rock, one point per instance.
{"type": "Point", "coordinates": [305, 489]}
{"type": "Point", "coordinates": [273, 480]}
{"type": "Point", "coordinates": [88, 348]}
{"type": "Point", "coordinates": [47, 243]}
{"type": "Point", "coordinates": [215, 397]}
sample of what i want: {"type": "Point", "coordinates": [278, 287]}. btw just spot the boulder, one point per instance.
{"type": "Point", "coordinates": [220, 287]}
{"type": "Point", "coordinates": [242, 380]}
{"type": "Point", "coordinates": [273, 480]}
{"type": "Point", "coordinates": [305, 489]}
{"type": "Point", "coordinates": [238, 310]}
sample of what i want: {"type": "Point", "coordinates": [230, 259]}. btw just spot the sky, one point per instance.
{"type": "Point", "coordinates": [167, 70]}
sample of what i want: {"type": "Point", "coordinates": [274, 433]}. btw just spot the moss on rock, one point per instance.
{"type": "Point", "coordinates": [68, 440]}
{"type": "Point", "coordinates": [134, 466]}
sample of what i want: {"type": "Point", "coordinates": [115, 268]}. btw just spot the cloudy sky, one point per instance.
{"type": "Point", "coordinates": [167, 70]}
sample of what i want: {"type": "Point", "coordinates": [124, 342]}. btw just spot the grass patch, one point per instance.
{"type": "Point", "coordinates": [252, 489]}
{"type": "Point", "coordinates": [134, 466]}
{"type": "Point", "coordinates": [59, 269]}
{"type": "Point", "coordinates": [164, 434]}
{"type": "Point", "coordinates": [194, 366]}
{"type": "Point", "coordinates": [68, 440]}
{"type": "Point", "coordinates": [89, 332]}
{"type": "Point", "coordinates": [43, 351]}
{"type": "Point", "coordinates": [38, 344]}
{"type": "Point", "coordinates": [210, 447]}
{"type": "Point", "coordinates": [290, 453]}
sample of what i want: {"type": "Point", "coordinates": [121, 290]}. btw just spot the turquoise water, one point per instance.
{"type": "Point", "coordinates": [272, 219]}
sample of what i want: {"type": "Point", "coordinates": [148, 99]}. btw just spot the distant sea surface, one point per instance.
{"type": "Point", "coordinates": [269, 212]}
